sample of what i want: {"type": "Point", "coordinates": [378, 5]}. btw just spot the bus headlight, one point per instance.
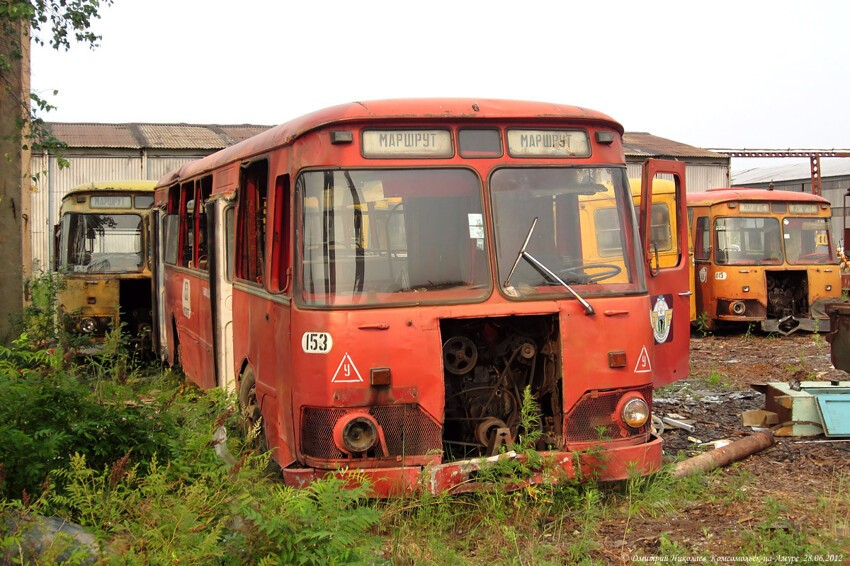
{"type": "Point", "coordinates": [356, 433]}
{"type": "Point", "coordinates": [634, 411]}
{"type": "Point", "coordinates": [87, 325]}
{"type": "Point", "coordinates": [737, 308]}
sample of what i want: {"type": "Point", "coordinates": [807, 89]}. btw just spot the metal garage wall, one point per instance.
{"type": "Point", "coordinates": [159, 165]}
{"type": "Point", "coordinates": [698, 176]}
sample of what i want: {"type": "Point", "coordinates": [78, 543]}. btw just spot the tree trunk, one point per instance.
{"type": "Point", "coordinates": [15, 248]}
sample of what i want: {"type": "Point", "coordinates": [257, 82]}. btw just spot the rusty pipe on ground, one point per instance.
{"type": "Point", "coordinates": [718, 457]}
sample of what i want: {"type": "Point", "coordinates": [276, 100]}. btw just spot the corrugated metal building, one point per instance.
{"type": "Point", "coordinates": [835, 183]}
{"type": "Point", "coordinates": [105, 152]}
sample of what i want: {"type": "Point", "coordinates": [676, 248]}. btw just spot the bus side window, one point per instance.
{"type": "Point", "coordinates": [280, 235]}
{"type": "Point", "coordinates": [660, 231]}
{"type": "Point", "coordinates": [172, 226]}
{"type": "Point", "coordinates": [205, 191]}
{"type": "Point", "coordinates": [251, 222]}
{"type": "Point", "coordinates": [702, 243]}
{"type": "Point", "coordinates": [187, 224]}
{"type": "Point", "coordinates": [229, 238]}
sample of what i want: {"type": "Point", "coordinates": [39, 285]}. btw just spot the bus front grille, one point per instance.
{"type": "Point", "coordinates": [407, 430]}
{"type": "Point", "coordinates": [592, 418]}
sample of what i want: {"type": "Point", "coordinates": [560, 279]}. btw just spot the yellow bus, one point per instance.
{"type": "Point", "coordinates": [763, 256]}
{"type": "Point", "coordinates": [664, 249]}
{"type": "Point", "coordinates": [103, 252]}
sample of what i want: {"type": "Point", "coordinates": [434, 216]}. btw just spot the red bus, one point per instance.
{"type": "Point", "coordinates": [382, 281]}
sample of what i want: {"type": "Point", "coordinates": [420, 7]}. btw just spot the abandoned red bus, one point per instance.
{"type": "Point", "coordinates": [381, 282]}
{"type": "Point", "coordinates": [763, 257]}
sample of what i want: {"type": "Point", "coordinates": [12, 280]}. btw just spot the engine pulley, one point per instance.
{"type": "Point", "coordinates": [459, 355]}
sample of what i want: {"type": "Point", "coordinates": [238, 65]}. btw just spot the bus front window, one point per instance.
{"type": "Point", "coordinates": [101, 243]}
{"type": "Point", "coordinates": [585, 231]}
{"type": "Point", "coordinates": [396, 236]}
{"type": "Point", "coordinates": [807, 241]}
{"type": "Point", "coordinates": [747, 241]}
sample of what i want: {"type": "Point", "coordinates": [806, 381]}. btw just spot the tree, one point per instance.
{"type": "Point", "coordinates": [56, 23]}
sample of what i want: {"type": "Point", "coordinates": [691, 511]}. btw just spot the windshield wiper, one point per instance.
{"type": "Point", "coordinates": [588, 310]}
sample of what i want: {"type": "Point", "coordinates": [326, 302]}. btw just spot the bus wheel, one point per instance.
{"type": "Point", "coordinates": [250, 409]}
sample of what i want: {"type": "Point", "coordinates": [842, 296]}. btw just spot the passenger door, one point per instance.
{"type": "Point", "coordinates": [220, 234]}
{"type": "Point", "coordinates": [668, 285]}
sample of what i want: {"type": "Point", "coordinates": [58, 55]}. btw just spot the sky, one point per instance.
{"type": "Point", "coordinates": [720, 74]}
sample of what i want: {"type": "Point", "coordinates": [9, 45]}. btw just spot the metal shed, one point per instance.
{"type": "Point", "coordinates": [705, 169]}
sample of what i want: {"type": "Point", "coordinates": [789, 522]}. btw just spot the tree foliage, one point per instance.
{"type": "Point", "coordinates": [46, 22]}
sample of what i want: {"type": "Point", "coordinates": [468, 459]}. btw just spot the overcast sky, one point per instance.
{"type": "Point", "coordinates": [745, 73]}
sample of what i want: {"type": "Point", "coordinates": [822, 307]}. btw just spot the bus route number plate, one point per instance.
{"type": "Point", "coordinates": [316, 342]}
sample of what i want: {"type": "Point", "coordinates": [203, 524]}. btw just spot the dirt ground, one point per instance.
{"type": "Point", "coordinates": [806, 475]}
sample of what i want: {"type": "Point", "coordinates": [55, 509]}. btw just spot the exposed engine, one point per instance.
{"type": "Point", "coordinates": [488, 363]}
{"type": "Point", "coordinates": [787, 294]}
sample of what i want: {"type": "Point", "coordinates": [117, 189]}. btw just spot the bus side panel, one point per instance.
{"type": "Point", "coordinates": [189, 317]}
{"type": "Point", "coordinates": [280, 351]}
{"type": "Point", "coordinates": [203, 326]}
{"type": "Point", "coordinates": [260, 336]}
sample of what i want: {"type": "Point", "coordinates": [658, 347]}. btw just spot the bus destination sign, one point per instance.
{"type": "Point", "coordinates": [548, 143]}
{"type": "Point", "coordinates": [407, 143]}
{"type": "Point", "coordinates": [111, 201]}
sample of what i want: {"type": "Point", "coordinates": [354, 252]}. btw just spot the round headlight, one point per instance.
{"type": "Point", "coordinates": [737, 308]}
{"type": "Point", "coordinates": [635, 412]}
{"type": "Point", "coordinates": [356, 433]}
{"type": "Point", "coordinates": [87, 325]}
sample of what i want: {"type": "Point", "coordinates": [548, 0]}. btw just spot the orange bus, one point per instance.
{"type": "Point", "coordinates": [381, 283]}
{"type": "Point", "coordinates": [103, 251]}
{"type": "Point", "coordinates": [763, 256]}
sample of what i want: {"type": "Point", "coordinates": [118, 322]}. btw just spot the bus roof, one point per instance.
{"type": "Point", "coordinates": [715, 196]}
{"type": "Point", "coordinates": [134, 185]}
{"type": "Point", "coordinates": [436, 109]}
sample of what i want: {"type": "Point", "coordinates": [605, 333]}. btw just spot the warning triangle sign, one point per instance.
{"type": "Point", "coordinates": [347, 371]}
{"type": "Point", "coordinates": [643, 364]}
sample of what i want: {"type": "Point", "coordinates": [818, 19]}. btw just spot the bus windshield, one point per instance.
{"type": "Point", "coordinates": [748, 241]}
{"type": "Point", "coordinates": [391, 236]}
{"type": "Point", "coordinates": [101, 243]}
{"type": "Point", "coordinates": [807, 241]}
{"type": "Point", "coordinates": [585, 230]}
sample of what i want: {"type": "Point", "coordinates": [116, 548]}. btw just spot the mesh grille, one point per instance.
{"type": "Point", "coordinates": [591, 418]}
{"type": "Point", "coordinates": [407, 430]}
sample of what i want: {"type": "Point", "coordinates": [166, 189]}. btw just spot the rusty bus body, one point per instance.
{"type": "Point", "coordinates": [381, 281]}
{"type": "Point", "coordinates": [103, 252]}
{"type": "Point", "coordinates": [763, 256]}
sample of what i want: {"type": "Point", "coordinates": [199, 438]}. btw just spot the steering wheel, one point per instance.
{"type": "Point", "coordinates": [581, 275]}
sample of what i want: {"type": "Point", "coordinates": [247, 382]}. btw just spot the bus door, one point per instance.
{"type": "Point", "coordinates": [220, 231]}
{"type": "Point", "coordinates": [668, 283]}
{"type": "Point", "coordinates": [158, 333]}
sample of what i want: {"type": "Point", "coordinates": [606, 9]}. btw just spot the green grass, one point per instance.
{"type": "Point", "coordinates": [125, 451]}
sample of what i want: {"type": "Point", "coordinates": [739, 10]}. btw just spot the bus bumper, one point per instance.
{"type": "Point", "coordinates": [603, 463]}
